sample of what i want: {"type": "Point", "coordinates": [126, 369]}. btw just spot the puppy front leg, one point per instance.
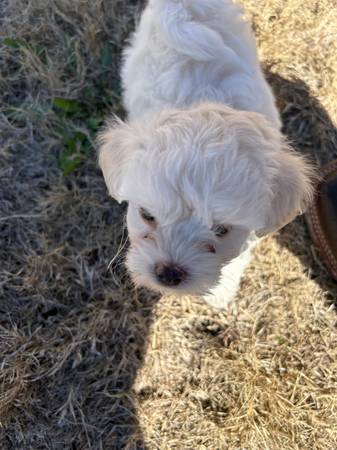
{"type": "Point", "coordinates": [225, 291]}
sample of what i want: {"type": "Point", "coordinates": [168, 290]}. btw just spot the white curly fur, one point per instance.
{"type": "Point", "coordinates": [202, 147]}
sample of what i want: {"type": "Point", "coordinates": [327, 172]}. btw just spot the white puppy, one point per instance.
{"type": "Point", "coordinates": [201, 160]}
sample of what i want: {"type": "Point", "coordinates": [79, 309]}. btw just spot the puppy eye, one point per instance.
{"type": "Point", "coordinates": [147, 216]}
{"type": "Point", "coordinates": [221, 230]}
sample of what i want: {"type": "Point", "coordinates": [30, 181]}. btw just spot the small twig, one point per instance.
{"type": "Point", "coordinates": [20, 216]}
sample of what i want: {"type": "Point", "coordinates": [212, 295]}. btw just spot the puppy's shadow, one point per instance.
{"type": "Point", "coordinates": [309, 128]}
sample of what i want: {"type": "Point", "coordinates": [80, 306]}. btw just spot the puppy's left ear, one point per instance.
{"type": "Point", "coordinates": [118, 143]}
{"type": "Point", "coordinates": [292, 188]}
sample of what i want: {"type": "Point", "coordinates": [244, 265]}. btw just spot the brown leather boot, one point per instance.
{"type": "Point", "coordinates": [322, 217]}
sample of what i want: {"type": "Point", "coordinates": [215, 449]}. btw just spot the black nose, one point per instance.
{"type": "Point", "coordinates": [169, 274]}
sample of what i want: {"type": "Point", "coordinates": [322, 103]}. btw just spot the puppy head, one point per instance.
{"type": "Point", "coordinates": [199, 182]}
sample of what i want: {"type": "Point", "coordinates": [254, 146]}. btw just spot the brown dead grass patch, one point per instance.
{"type": "Point", "coordinates": [87, 362]}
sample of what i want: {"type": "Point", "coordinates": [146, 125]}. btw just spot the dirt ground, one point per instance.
{"type": "Point", "coordinates": [87, 362]}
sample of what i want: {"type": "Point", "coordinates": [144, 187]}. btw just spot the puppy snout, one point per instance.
{"type": "Point", "coordinates": [169, 274]}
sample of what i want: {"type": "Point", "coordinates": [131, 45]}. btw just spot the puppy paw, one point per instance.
{"type": "Point", "coordinates": [220, 298]}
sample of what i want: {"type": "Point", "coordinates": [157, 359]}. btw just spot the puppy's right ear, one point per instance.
{"type": "Point", "coordinates": [117, 145]}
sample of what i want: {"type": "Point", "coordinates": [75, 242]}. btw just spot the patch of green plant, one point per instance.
{"type": "Point", "coordinates": [106, 55]}
{"type": "Point", "coordinates": [69, 106]}
{"type": "Point", "coordinates": [76, 149]}
{"type": "Point", "coordinates": [13, 43]}
{"type": "Point", "coordinates": [73, 120]}
{"type": "Point", "coordinates": [19, 44]}
{"type": "Point", "coordinates": [89, 114]}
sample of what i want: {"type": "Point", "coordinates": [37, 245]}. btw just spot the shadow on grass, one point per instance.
{"type": "Point", "coordinates": [308, 126]}
{"type": "Point", "coordinates": [73, 333]}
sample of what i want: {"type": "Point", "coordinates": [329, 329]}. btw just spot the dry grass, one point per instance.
{"type": "Point", "coordinates": [87, 362]}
